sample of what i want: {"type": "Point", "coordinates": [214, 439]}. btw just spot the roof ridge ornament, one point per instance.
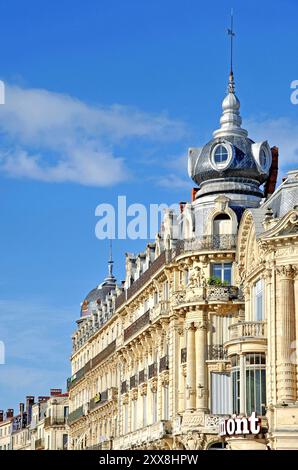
{"type": "Point", "coordinates": [232, 34]}
{"type": "Point", "coordinates": [230, 121]}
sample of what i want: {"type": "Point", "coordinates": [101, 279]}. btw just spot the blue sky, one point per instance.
{"type": "Point", "coordinates": [103, 98]}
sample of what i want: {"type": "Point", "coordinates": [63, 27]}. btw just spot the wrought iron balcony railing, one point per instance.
{"type": "Point", "coordinates": [217, 352]}
{"type": "Point", "coordinates": [98, 400]}
{"type": "Point", "coordinates": [137, 325]}
{"type": "Point", "coordinates": [206, 242]}
{"type": "Point", "coordinates": [75, 415]}
{"type": "Point", "coordinates": [222, 293]}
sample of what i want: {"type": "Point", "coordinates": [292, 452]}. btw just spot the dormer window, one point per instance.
{"type": "Point", "coordinates": [221, 156]}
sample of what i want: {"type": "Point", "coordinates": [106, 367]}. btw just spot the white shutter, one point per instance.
{"type": "Point", "coordinates": [221, 399]}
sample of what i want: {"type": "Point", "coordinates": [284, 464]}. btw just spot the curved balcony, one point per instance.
{"type": "Point", "coordinates": [252, 335]}
{"type": "Point", "coordinates": [212, 294]}
{"type": "Point", "coordinates": [206, 243]}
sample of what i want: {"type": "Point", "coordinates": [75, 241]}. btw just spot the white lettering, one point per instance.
{"type": "Point", "coordinates": [294, 95]}
{"type": "Point", "coordinates": [255, 427]}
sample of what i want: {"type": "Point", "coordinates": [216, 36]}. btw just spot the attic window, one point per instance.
{"type": "Point", "coordinates": [221, 154]}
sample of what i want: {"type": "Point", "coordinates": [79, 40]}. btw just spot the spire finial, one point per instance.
{"type": "Point", "coordinates": [231, 33]}
{"type": "Point", "coordinates": [111, 262]}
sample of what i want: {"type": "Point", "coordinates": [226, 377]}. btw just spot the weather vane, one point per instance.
{"type": "Point", "coordinates": [231, 33]}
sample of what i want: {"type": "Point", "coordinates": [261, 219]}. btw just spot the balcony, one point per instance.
{"type": "Point", "coordinates": [136, 326]}
{"type": "Point", "coordinates": [248, 329]}
{"type": "Point", "coordinates": [183, 355]}
{"type": "Point", "coordinates": [106, 352]}
{"type": "Point", "coordinates": [152, 370]}
{"type": "Point", "coordinates": [99, 400]}
{"type": "Point", "coordinates": [247, 337]}
{"type": "Point", "coordinates": [160, 309]}
{"type": "Point", "coordinates": [147, 275]}
{"type": "Point", "coordinates": [216, 352]}
{"type": "Point", "coordinates": [150, 433]}
{"type": "Point", "coordinates": [206, 243]}
{"type": "Point", "coordinates": [210, 293]}
{"type": "Point", "coordinates": [133, 381]}
{"type": "Point", "coordinates": [75, 415]}
{"type": "Point", "coordinates": [221, 293]}
{"type": "Point", "coordinates": [212, 422]}
{"type": "Point", "coordinates": [50, 421]}
{"type": "Point", "coordinates": [39, 444]}
{"type": "Point", "coordinates": [164, 363]}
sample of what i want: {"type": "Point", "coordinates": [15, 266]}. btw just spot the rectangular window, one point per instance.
{"type": "Point", "coordinates": [154, 406]}
{"type": "Point", "coordinates": [166, 291]}
{"type": "Point", "coordinates": [222, 271]}
{"type": "Point", "coordinates": [144, 410]}
{"type": "Point", "coordinates": [259, 300]}
{"type": "Point", "coordinates": [235, 373]}
{"type": "Point", "coordinates": [135, 414]}
{"type": "Point", "coordinates": [166, 402]}
{"type": "Point", "coordinates": [125, 418]}
{"type": "Point", "coordinates": [221, 400]}
{"type": "Point", "coordinates": [255, 373]}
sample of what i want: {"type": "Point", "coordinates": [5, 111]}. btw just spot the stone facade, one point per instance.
{"type": "Point", "coordinates": [205, 323]}
{"type": "Point", "coordinates": [37, 426]}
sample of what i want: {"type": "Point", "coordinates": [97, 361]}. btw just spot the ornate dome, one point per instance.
{"type": "Point", "coordinates": [99, 294]}
{"type": "Point", "coordinates": [231, 162]}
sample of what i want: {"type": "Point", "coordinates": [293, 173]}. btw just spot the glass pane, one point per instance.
{"type": "Point", "coordinates": [228, 273]}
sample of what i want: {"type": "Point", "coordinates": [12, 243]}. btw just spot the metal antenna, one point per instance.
{"type": "Point", "coordinates": [231, 33]}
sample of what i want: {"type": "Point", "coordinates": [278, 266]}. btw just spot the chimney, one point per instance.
{"type": "Point", "coordinates": [9, 413]}
{"type": "Point", "coordinates": [29, 402]}
{"type": "Point", "coordinates": [1, 415]}
{"type": "Point", "coordinates": [270, 184]}
{"type": "Point", "coordinates": [54, 392]}
{"type": "Point", "coordinates": [194, 193]}
{"type": "Point", "coordinates": [40, 399]}
{"type": "Point", "coordinates": [22, 408]}
{"type": "Point", "coordinates": [182, 204]}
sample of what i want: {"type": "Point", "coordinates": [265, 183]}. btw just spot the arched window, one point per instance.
{"type": "Point", "coordinates": [222, 225]}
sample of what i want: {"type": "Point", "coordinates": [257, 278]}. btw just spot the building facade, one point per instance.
{"type": "Point", "coordinates": [204, 327]}
{"type": "Point", "coordinates": [40, 425]}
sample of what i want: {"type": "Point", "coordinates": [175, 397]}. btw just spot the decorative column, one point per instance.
{"type": "Point", "coordinates": [285, 331]}
{"type": "Point", "coordinates": [296, 320]}
{"type": "Point", "coordinates": [270, 326]}
{"type": "Point", "coordinates": [191, 368]}
{"type": "Point", "coordinates": [181, 390]}
{"type": "Point", "coordinates": [201, 370]}
{"type": "Point", "coordinates": [247, 297]}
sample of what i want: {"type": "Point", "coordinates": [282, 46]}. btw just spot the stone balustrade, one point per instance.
{"type": "Point", "coordinates": [142, 436]}
{"type": "Point", "coordinates": [248, 329]}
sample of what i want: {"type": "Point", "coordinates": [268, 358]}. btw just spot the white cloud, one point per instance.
{"type": "Point", "coordinates": [173, 181]}
{"type": "Point", "coordinates": [57, 138]}
{"type": "Point", "coordinates": [281, 132]}
{"type": "Point", "coordinates": [37, 339]}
